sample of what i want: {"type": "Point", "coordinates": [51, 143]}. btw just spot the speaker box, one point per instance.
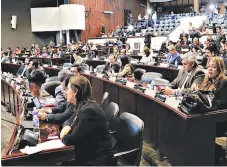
{"type": "Point", "coordinates": [14, 22]}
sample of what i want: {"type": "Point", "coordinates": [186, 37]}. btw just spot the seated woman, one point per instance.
{"type": "Point", "coordinates": [209, 53]}
{"type": "Point", "coordinates": [128, 49]}
{"type": "Point", "coordinates": [147, 57]}
{"type": "Point", "coordinates": [126, 68]}
{"type": "Point", "coordinates": [77, 58]}
{"type": "Point", "coordinates": [216, 81]}
{"type": "Point", "coordinates": [88, 128]}
{"type": "Point", "coordinates": [35, 83]}
{"type": "Point", "coordinates": [112, 65]}
{"type": "Point", "coordinates": [60, 113]}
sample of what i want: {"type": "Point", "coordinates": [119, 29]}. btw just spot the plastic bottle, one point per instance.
{"type": "Point", "coordinates": [35, 119]}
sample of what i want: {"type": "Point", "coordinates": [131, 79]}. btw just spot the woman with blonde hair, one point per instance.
{"type": "Point", "coordinates": [216, 81]}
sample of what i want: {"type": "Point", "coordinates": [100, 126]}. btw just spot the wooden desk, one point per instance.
{"type": "Point", "coordinates": [185, 139]}
{"type": "Point", "coordinates": [47, 157]}
{"type": "Point", "coordinates": [168, 73]}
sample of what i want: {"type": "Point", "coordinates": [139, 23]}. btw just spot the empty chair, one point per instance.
{"type": "Point", "coordinates": [104, 103]}
{"type": "Point", "coordinates": [50, 87]}
{"type": "Point", "coordinates": [112, 114]}
{"type": "Point", "coordinates": [138, 73]}
{"type": "Point", "coordinates": [100, 68]}
{"type": "Point", "coordinates": [160, 81]}
{"type": "Point", "coordinates": [67, 65]}
{"type": "Point", "coordinates": [129, 136]}
{"type": "Point", "coordinates": [149, 76]}
{"type": "Point", "coordinates": [54, 78]}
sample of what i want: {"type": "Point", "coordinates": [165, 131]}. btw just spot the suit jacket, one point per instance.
{"type": "Point", "coordinates": [115, 67]}
{"type": "Point", "coordinates": [21, 69]}
{"type": "Point", "coordinates": [219, 37]}
{"type": "Point", "coordinates": [59, 97]}
{"type": "Point", "coordinates": [196, 77]}
{"type": "Point", "coordinates": [61, 113]}
{"type": "Point", "coordinates": [90, 136]}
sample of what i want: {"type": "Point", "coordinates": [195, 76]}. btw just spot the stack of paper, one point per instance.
{"type": "Point", "coordinates": [52, 144]}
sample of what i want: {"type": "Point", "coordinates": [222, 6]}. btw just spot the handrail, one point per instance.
{"type": "Point", "coordinates": [20, 109]}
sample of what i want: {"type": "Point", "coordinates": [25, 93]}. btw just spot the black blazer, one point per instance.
{"type": "Point", "coordinates": [90, 136]}
{"type": "Point", "coordinates": [61, 113]}
{"type": "Point", "coordinates": [115, 67]}
{"type": "Point", "coordinates": [221, 94]}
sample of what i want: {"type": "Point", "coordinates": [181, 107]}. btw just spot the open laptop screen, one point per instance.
{"type": "Point", "coordinates": [37, 102]}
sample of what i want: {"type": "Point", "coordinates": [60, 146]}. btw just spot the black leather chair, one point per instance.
{"type": "Point", "coordinates": [138, 73]}
{"type": "Point", "coordinates": [50, 87]}
{"type": "Point", "coordinates": [104, 103]}
{"type": "Point", "coordinates": [129, 136]}
{"type": "Point", "coordinates": [112, 114]}
{"type": "Point", "coordinates": [54, 78]}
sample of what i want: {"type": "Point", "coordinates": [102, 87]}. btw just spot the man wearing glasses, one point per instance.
{"type": "Point", "coordinates": [173, 57]}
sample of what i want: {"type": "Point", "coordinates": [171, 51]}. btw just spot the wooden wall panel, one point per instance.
{"type": "Point", "coordinates": [96, 17]}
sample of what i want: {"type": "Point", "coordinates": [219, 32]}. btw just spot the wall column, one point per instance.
{"type": "Point", "coordinates": [148, 4]}
{"type": "Point", "coordinates": [196, 6]}
{"type": "Point", "coordinates": [67, 37]}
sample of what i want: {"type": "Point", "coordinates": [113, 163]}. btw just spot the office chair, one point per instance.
{"type": "Point", "coordinates": [138, 73]}
{"type": "Point", "coordinates": [129, 136]}
{"type": "Point", "coordinates": [50, 87]}
{"type": "Point", "coordinates": [149, 76]}
{"type": "Point", "coordinates": [54, 78]}
{"type": "Point", "coordinates": [112, 113]}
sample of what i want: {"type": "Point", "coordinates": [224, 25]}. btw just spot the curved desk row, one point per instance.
{"type": "Point", "coordinates": [12, 156]}
{"type": "Point", "coordinates": [184, 139]}
{"type": "Point", "coordinates": [168, 73]}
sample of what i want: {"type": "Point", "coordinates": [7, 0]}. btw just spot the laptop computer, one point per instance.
{"type": "Point", "coordinates": [37, 102]}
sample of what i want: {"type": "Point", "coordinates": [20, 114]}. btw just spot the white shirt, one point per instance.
{"type": "Point", "coordinates": [186, 79]}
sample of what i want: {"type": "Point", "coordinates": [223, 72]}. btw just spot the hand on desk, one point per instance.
{"type": "Point", "coordinates": [42, 115]}
{"type": "Point", "coordinates": [65, 131]}
{"type": "Point", "coordinates": [168, 91]}
{"type": "Point", "coordinates": [45, 110]}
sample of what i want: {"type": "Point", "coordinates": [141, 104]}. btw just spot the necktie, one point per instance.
{"type": "Point", "coordinates": [25, 68]}
{"type": "Point", "coordinates": [186, 79]}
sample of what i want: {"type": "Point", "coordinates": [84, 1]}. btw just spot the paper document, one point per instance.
{"type": "Point", "coordinates": [52, 144]}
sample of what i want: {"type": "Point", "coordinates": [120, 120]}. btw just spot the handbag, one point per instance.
{"type": "Point", "coordinates": [198, 102]}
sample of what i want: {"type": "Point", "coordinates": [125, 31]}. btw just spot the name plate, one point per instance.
{"type": "Point", "coordinates": [99, 75]}
{"type": "Point", "coordinates": [54, 66]}
{"type": "Point", "coordinates": [112, 78]}
{"type": "Point", "coordinates": [130, 84]}
{"type": "Point", "coordinates": [150, 92]}
{"type": "Point", "coordinates": [164, 65]}
{"type": "Point", "coordinates": [45, 65]}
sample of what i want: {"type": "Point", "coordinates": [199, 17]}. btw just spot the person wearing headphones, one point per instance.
{"type": "Point", "coordinates": [190, 76]}
{"type": "Point", "coordinates": [87, 129]}
{"type": "Point", "coordinates": [60, 113]}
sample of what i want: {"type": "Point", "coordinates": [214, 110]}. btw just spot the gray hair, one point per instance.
{"type": "Point", "coordinates": [191, 57]}
{"type": "Point", "coordinates": [63, 74]}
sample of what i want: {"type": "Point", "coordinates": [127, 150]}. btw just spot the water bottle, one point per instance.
{"type": "Point", "coordinates": [90, 68]}
{"type": "Point", "coordinates": [35, 119]}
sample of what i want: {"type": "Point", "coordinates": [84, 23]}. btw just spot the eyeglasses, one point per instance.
{"type": "Point", "coordinates": [74, 72]}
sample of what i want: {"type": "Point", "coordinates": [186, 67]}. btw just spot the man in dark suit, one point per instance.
{"type": "Point", "coordinates": [190, 76]}
{"type": "Point", "coordinates": [220, 36]}
{"type": "Point", "coordinates": [59, 95]}
{"type": "Point", "coordinates": [24, 67]}
{"type": "Point", "coordinates": [9, 52]}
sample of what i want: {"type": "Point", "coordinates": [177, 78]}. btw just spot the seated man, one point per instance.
{"type": "Point", "coordinates": [23, 68]}
{"type": "Point", "coordinates": [112, 65]}
{"type": "Point", "coordinates": [60, 113]}
{"type": "Point", "coordinates": [62, 75]}
{"type": "Point", "coordinates": [173, 57]}
{"type": "Point", "coordinates": [190, 76]}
